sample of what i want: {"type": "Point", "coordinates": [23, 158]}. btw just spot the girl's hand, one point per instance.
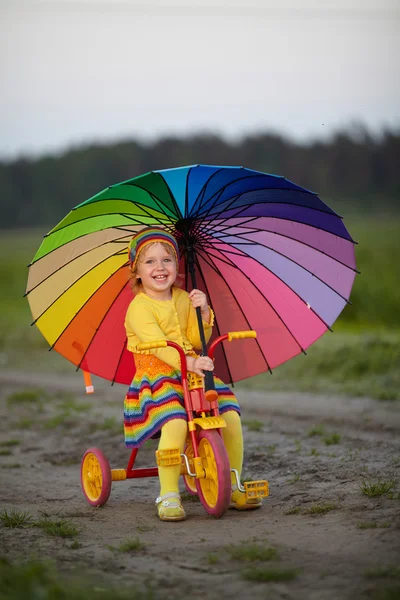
{"type": "Point", "coordinates": [200, 364]}
{"type": "Point", "coordinates": [199, 299]}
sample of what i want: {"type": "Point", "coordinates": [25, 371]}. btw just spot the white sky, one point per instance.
{"type": "Point", "coordinates": [76, 71]}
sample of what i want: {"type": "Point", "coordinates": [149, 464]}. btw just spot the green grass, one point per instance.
{"type": "Point", "coordinates": [320, 509]}
{"type": "Point", "coordinates": [9, 443]}
{"type": "Point", "coordinates": [131, 545]}
{"type": "Point", "coordinates": [253, 424]}
{"type": "Point", "coordinates": [332, 439]}
{"type": "Point", "coordinates": [374, 489]}
{"type": "Point", "coordinates": [390, 572]}
{"type": "Point", "coordinates": [293, 511]}
{"type": "Point", "coordinates": [212, 559]}
{"type": "Point", "coordinates": [38, 580]}
{"type": "Point", "coordinates": [252, 552]}
{"type": "Point", "coordinates": [392, 593]}
{"type": "Point", "coordinates": [34, 396]}
{"type": "Point", "coordinates": [186, 497]}
{"type": "Point", "coordinates": [59, 528]}
{"type": "Point", "coordinates": [316, 430]}
{"type": "Point", "coordinates": [5, 452]}
{"type": "Point", "coordinates": [263, 574]}
{"type": "Point", "coordinates": [111, 424]}
{"type": "Point", "coordinates": [15, 519]}
{"type": "Point", "coordinates": [372, 525]}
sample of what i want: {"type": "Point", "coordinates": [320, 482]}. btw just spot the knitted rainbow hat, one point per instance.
{"type": "Point", "coordinates": [150, 235]}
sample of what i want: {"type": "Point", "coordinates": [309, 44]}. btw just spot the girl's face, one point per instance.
{"type": "Point", "coordinates": [157, 270]}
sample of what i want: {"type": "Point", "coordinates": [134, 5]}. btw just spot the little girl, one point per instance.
{"type": "Point", "coordinates": [154, 402]}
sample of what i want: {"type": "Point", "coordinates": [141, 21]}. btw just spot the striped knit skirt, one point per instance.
{"type": "Point", "coordinates": [155, 396]}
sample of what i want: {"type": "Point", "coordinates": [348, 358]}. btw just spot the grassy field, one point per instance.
{"type": "Point", "coordinates": [361, 357]}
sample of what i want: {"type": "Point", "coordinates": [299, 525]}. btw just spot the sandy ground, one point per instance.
{"type": "Point", "coordinates": [337, 553]}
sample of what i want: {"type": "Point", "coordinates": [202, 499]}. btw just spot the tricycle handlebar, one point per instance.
{"type": "Point", "coordinates": [235, 335]}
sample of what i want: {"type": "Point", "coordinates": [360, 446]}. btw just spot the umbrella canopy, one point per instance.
{"type": "Point", "coordinates": [270, 255]}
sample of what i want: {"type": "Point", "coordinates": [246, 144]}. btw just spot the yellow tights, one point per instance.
{"type": "Point", "coordinates": [173, 435]}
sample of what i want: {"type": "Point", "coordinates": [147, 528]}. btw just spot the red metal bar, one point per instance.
{"type": "Point", "coordinates": [215, 343]}
{"type": "Point", "coordinates": [137, 473]}
{"type": "Point", "coordinates": [131, 460]}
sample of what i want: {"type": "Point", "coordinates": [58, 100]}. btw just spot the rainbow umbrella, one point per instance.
{"type": "Point", "coordinates": [270, 255]}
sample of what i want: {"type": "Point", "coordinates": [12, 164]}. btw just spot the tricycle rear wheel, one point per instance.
{"type": "Point", "coordinates": [215, 489]}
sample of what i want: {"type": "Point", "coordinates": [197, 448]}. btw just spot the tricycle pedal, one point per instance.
{"type": "Point", "coordinates": [256, 489]}
{"type": "Point", "coordinates": [169, 457]}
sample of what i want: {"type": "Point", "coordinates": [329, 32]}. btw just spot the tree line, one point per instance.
{"type": "Point", "coordinates": [352, 167]}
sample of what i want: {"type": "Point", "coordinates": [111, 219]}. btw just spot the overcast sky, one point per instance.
{"type": "Point", "coordinates": [77, 71]}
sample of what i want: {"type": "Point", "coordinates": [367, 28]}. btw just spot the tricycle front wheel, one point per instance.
{"type": "Point", "coordinates": [215, 489]}
{"type": "Point", "coordinates": [96, 477]}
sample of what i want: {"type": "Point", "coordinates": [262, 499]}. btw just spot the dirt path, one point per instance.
{"type": "Point", "coordinates": [336, 552]}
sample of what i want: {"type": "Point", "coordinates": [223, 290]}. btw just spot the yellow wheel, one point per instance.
{"type": "Point", "coordinates": [95, 477]}
{"type": "Point", "coordinates": [215, 488]}
{"type": "Point", "coordinates": [190, 482]}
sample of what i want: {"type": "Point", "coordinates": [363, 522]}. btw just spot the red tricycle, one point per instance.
{"type": "Point", "coordinates": [204, 463]}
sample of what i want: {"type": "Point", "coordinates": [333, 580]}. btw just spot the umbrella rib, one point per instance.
{"type": "Point", "coordinates": [213, 227]}
{"type": "Point", "coordinates": [99, 325]}
{"type": "Point", "coordinates": [97, 328]}
{"type": "Point", "coordinates": [292, 261]}
{"type": "Point", "coordinates": [160, 221]}
{"type": "Point", "coordinates": [177, 209]}
{"type": "Point", "coordinates": [288, 286]}
{"type": "Point", "coordinates": [285, 219]}
{"type": "Point", "coordinates": [230, 263]}
{"type": "Point", "coordinates": [216, 321]}
{"type": "Point", "coordinates": [77, 238]}
{"type": "Point", "coordinates": [213, 266]}
{"type": "Point", "coordinates": [267, 203]}
{"type": "Point", "coordinates": [201, 218]}
{"type": "Point", "coordinates": [186, 193]}
{"type": "Point", "coordinates": [274, 310]}
{"type": "Point", "coordinates": [79, 278]}
{"type": "Point", "coordinates": [119, 361]}
{"type": "Point", "coordinates": [224, 187]}
{"type": "Point", "coordinates": [202, 191]}
{"type": "Point", "coordinates": [153, 195]}
{"type": "Point", "coordinates": [302, 190]}
{"type": "Point", "coordinates": [84, 304]}
{"type": "Point", "coordinates": [258, 230]}
{"type": "Point", "coordinates": [134, 203]}
{"type": "Point", "coordinates": [75, 258]}
{"type": "Point", "coordinates": [87, 233]}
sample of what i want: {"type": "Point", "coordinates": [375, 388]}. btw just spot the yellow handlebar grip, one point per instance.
{"type": "Point", "coordinates": [235, 335]}
{"type": "Point", "coordinates": [150, 345]}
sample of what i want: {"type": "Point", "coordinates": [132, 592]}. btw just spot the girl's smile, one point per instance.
{"type": "Point", "coordinates": [157, 270]}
